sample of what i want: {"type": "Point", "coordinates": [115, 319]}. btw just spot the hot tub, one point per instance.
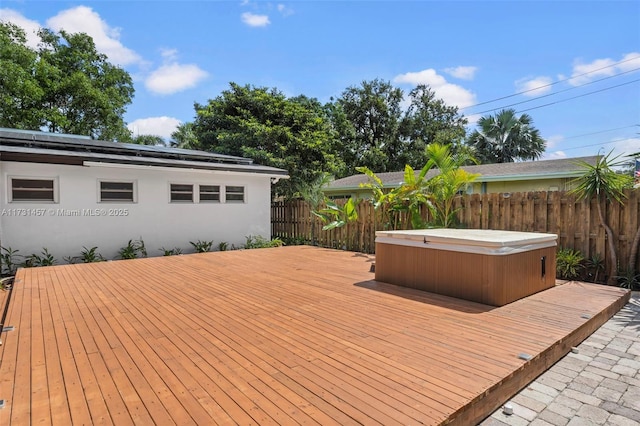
{"type": "Point", "coordinates": [486, 266]}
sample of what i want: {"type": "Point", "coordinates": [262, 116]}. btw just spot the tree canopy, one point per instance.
{"type": "Point", "coordinates": [265, 125]}
{"type": "Point", "coordinates": [373, 110]}
{"type": "Point", "coordinates": [505, 138]}
{"type": "Point", "coordinates": [384, 130]}
{"type": "Point", "coordinates": [65, 85]}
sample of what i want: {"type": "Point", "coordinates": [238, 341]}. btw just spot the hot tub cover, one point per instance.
{"type": "Point", "coordinates": [483, 241]}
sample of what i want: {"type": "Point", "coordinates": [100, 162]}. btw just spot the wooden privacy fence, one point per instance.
{"type": "Point", "coordinates": [575, 222]}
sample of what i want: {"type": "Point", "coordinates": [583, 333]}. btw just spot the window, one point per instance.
{"type": "Point", "coordinates": [32, 189]}
{"type": "Point", "coordinates": [209, 193]}
{"type": "Point", "coordinates": [116, 191]}
{"type": "Point", "coordinates": [234, 194]}
{"type": "Point", "coordinates": [181, 192]}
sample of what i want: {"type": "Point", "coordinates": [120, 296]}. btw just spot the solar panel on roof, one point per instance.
{"type": "Point", "coordinates": [84, 143]}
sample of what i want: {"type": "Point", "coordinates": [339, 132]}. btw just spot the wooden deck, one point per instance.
{"type": "Point", "coordinates": [293, 335]}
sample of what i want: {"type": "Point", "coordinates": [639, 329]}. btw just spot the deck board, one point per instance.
{"type": "Point", "coordinates": [293, 335]}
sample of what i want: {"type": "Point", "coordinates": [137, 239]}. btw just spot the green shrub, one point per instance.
{"type": "Point", "coordinates": [568, 263]}
{"type": "Point", "coordinates": [8, 261]}
{"type": "Point", "coordinates": [257, 241]}
{"type": "Point", "coordinates": [35, 260]}
{"type": "Point", "coordinates": [223, 246]}
{"type": "Point", "coordinates": [628, 279]}
{"type": "Point", "coordinates": [90, 255]}
{"type": "Point", "coordinates": [133, 250]}
{"type": "Point", "coordinates": [595, 265]}
{"type": "Point", "coordinates": [295, 241]}
{"type": "Point", "coordinates": [171, 252]}
{"type": "Point", "coordinates": [202, 246]}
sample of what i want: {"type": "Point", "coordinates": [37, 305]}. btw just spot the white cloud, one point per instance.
{"type": "Point", "coordinates": [284, 10]}
{"type": "Point", "coordinates": [463, 73]}
{"type": "Point", "coordinates": [170, 55]}
{"type": "Point", "coordinates": [624, 147]}
{"type": "Point", "coordinates": [29, 26]}
{"type": "Point", "coordinates": [620, 147]}
{"type": "Point", "coordinates": [556, 155]}
{"type": "Point", "coordinates": [83, 19]}
{"type": "Point", "coordinates": [553, 141]}
{"type": "Point", "coordinates": [156, 126]}
{"type": "Point", "coordinates": [534, 86]}
{"type": "Point", "coordinates": [174, 77]}
{"type": "Point", "coordinates": [254, 20]}
{"type": "Point", "coordinates": [451, 94]}
{"type": "Point", "coordinates": [472, 119]}
{"type": "Point", "coordinates": [604, 67]}
{"type": "Point", "coordinates": [631, 61]}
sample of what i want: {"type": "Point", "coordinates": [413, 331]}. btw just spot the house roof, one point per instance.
{"type": "Point", "coordinates": [527, 170]}
{"type": "Point", "coordinates": [26, 145]}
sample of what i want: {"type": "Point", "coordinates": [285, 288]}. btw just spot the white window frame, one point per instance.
{"type": "Point", "coordinates": [219, 200]}
{"type": "Point", "coordinates": [193, 193]}
{"type": "Point", "coordinates": [47, 178]}
{"type": "Point", "coordinates": [244, 194]}
{"type": "Point", "coordinates": [134, 189]}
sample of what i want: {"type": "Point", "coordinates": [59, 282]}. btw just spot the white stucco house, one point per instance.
{"type": "Point", "coordinates": [63, 192]}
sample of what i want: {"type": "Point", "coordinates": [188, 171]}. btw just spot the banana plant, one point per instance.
{"type": "Point", "coordinates": [336, 216]}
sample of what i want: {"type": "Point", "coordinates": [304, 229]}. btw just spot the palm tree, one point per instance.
{"type": "Point", "coordinates": [437, 192]}
{"type": "Point", "coordinates": [185, 137]}
{"type": "Point", "coordinates": [447, 184]}
{"type": "Point", "coordinates": [602, 182]}
{"type": "Point", "coordinates": [505, 138]}
{"type": "Point", "coordinates": [313, 193]}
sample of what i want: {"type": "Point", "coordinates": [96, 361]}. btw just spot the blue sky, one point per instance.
{"type": "Point", "coordinates": [181, 52]}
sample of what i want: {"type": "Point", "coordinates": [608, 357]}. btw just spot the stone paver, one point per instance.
{"type": "Point", "coordinates": [598, 385]}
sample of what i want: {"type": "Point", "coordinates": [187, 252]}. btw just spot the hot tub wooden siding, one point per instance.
{"type": "Point", "coordinates": [489, 279]}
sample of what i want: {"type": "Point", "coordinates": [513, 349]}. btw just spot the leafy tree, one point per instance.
{"type": "Point", "coordinates": [152, 140]}
{"type": "Point", "coordinates": [428, 120]}
{"type": "Point", "coordinates": [374, 113]}
{"type": "Point", "coordinates": [599, 180]}
{"type": "Point", "coordinates": [260, 123]}
{"type": "Point", "coordinates": [64, 85]}
{"type": "Point", "coordinates": [505, 138]}
{"type": "Point", "coordinates": [343, 142]}
{"type": "Point", "coordinates": [184, 137]}
{"type": "Point", "coordinates": [20, 91]}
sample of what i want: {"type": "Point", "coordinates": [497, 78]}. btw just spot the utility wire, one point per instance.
{"type": "Point", "coordinates": [596, 144]}
{"type": "Point", "coordinates": [580, 96]}
{"type": "Point", "coordinates": [601, 131]}
{"type": "Point", "coordinates": [551, 84]}
{"type": "Point", "coordinates": [559, 91]}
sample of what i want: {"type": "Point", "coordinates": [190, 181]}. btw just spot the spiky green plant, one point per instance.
{"type": "Point", "coordinates": [600, 181]}
{"type": "Point", "coordinates": [568, 263]}
{"type": "Point", "coordinates": [201, 246]}
{"type": "Point", "coordinates": [9, 261]}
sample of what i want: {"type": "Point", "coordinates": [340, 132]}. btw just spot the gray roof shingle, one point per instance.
{"type": "Point", "coordinates": [565, 167]}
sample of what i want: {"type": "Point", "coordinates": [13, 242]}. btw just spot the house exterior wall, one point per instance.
{"type": "Point", "coordinates": [78, 218]}
{"type": "Point", "coordinates": [529, 185]}
{"type": "Point", "coordinates": [558, 184]}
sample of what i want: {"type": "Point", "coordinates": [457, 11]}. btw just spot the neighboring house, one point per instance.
{"type": "Point", "coordinates": [545, 175]}
{"type": "Point", "coordinates": [64, 192]}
